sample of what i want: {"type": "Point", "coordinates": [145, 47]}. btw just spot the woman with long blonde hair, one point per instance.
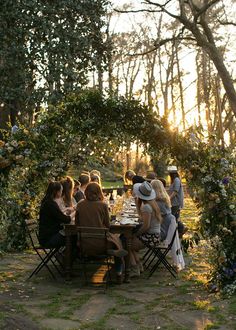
{"type": "Point", "coordinates": [164, 205]}
{"type": "Point", "coordinates": [150, 216]}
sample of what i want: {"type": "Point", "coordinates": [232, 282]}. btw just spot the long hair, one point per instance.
{"type": "Point", "coordinates": [52, 190]}
{"type": "Point", "coordinates": [67, 193]}
{"type": "Point", "coordinates": [161, 193]}
{"type": "Point", "coordinates": [93, 192]}
{"type": "Point", "coordinates": [155, 209]}
{"type": "Point", "coordinates": [128, 176]}
{"type": "Point", "coordinates": [173, 175]}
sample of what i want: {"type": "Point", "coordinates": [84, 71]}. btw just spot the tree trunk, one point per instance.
{"type": "Point", "coordinates": [180, 87]}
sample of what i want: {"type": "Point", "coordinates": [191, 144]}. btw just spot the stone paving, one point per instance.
{"type": "Point", "coordinates": [160, 302]}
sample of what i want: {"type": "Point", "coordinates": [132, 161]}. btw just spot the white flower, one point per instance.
{"type": "Point", "coordinates": [14, 143]}
{"type": "Point", "coordinates": [10, 149]}
{"type": "Point", "coordinates": [232, 207]}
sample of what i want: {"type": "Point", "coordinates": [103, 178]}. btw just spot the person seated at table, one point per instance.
{"type": "Point", "coordinates": [76, 187]}
{"type": "Point", "coordinates": [164, 204]}
{"type": "Point", "coordinates": [150, 229]}
{"type": "Point", "coordinates": [132, 178]}
{"type": "Point", "coordinates": [150, 176]}
{"type": "Point", "coordinates": [67, 192]}
{"type": "Point", "coordinates": [93, 212]}
{"type": "Point", "coordinates": [67, 203]}
{"type": "Point", "coordinates": [84, 180]}
{"type": "Point", "coordinates": [51, 218]}
{"type": "Point", "coordinates": [95, 178]}
{"type": "Point", "coordinates": [95, 172]}
{"type": "Point", "coordinates": [163, 182]}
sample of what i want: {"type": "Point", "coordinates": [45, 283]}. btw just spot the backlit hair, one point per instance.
{"type": "Point", "coordinates": [68, 189]}
{"type": "Point", "coordinates": [161, 193]}
{"type": "Point", "coordinates": [93, 192]}
{"type": "Point", "coordinates": [95, 172]}
{"type": "Point", "coordinates": [95, 178]}
{"type": "Point", "coordinates": [128, 176]}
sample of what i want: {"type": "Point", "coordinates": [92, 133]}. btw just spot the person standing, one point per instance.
{"type": "Point", "coordinates": [176, 194]}
{"type": "Point", "coordinates": [131, 177]}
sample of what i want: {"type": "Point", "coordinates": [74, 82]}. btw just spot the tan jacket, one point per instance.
{"type": "Point", "coordinates": [93, 214]}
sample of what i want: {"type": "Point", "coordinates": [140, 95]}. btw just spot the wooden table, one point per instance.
{"type": "Point", "coordinates": [71, 230]}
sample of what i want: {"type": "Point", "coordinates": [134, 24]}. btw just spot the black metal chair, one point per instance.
{"type": "Point", "coordinates": [156, 254]}
{"type": "Point", "coordinates": [94, 236]}
{"type": "Point", "coordinates": [47, 255]}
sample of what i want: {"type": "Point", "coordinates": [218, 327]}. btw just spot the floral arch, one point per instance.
{"type": "Point", "coordinates": [29, 157]}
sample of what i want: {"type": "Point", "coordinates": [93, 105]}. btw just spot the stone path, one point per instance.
{"type": "Point", "coordinates": [157, 303]}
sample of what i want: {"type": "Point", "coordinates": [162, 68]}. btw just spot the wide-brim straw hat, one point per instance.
{"type": "Point", "coordinates": [144, 191]}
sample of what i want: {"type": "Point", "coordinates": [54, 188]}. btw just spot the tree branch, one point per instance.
{"type": "Point", "coordinates": [226, 23]}
{"type": "Point", "coordinates": [136, 11]}
{"type": "Point", "coordinates": [203, 9]}
{"type": "Point", "coordinates": [162, 7]}
{"type": "Point", "coordinates": [162, 43]}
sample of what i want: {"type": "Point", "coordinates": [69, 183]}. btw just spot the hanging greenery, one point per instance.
{"type": "Point", "coordinates": [88, 125]}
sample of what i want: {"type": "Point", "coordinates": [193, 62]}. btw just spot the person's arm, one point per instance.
{"type": "Point", "coordinates": [146, 218]}
{"type": "Point", "coordinates": [176, 187]}
{"type": "Point", "coordinates": [138, 204]}
{"type": "Point", "coordinates": [58, 214]}
{"type": "Point", "coordinates": [106, 219]}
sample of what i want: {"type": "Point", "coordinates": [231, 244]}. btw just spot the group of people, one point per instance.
{"type": "Point", "coordinates": [156, 208]}
{"type": "Point", "coordinates": [82, 202]}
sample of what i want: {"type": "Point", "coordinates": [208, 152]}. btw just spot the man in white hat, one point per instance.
{"type": "Point", "coordinates": [176, 193]}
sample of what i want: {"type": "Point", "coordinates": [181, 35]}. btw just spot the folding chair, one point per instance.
{"type": "Point", "coordinates": [46, 255]}
{"type": "Point", "coordinates": [156, 254]}
{"type": "Point", "coordinates": [88, 237]}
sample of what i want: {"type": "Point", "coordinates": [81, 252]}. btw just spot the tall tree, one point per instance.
{"type": "Point", "coordinates": [193, 15]}
{"type": "Point", "coordinates": [47, 49]}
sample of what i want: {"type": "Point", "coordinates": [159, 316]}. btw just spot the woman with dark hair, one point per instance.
{"type": "Point", "coordinates": [84, 180]}
{"type": "Point", "coordinates": [93, 212]}
{"type": "Point", "coordinates": [67, 203]}
{"type": "Point", "coordinates": [67, 192]}
{"type": "Point", "coordinates": [51, 217]}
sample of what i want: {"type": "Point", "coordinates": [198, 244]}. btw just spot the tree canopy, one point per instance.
{"type": "Point", "coordinates": [47, 50]}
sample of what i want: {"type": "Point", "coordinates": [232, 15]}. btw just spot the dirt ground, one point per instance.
{"type": "Point", "coordinates": [160, 302]}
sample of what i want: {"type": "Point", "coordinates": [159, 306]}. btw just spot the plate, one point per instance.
{"type": "Point", "coordinates": [126, 221]}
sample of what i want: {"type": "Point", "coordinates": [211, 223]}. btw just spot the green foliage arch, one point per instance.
{"type": "Point", "coordinates": [88, 124]}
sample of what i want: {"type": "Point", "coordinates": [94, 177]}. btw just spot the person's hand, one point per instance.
{"type": "Point", "coordinates": [68, 211]}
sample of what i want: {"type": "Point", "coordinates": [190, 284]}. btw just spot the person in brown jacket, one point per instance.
{"type": "Point", "coordinates": [93, 212]}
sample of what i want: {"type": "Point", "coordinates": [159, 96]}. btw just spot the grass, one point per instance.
{"type": "Point", "coordinates": [114, 184]}
{"type": "Point", "coordinates": [201, 304]}
{"type": "Point", "coordinates": [63, 307]}
{"type": "Point", "coordinates": [232, 305]}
